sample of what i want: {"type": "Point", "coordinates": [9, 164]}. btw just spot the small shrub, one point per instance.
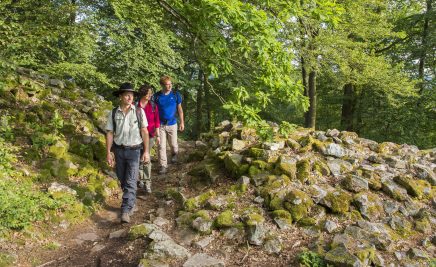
{"type": "Point", "coordinates": [311, 259]}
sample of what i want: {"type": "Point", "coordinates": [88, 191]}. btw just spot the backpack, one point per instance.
{"type": "Point", "coordinates": [138, 117]}
{"type": "Point", "coordinates": [153, 105]}
{"type": "Point", "coordinates": [176, 93]}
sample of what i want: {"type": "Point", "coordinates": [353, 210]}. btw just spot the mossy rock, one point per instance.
{"type": "Point", "coordinates": [224, 219]}
{"type": "Point", "coordinates": [298, 203]}
{"type": "Point", "coordinates": [293, 144]}
{"type": "Point", "coordinates": [283, 214]}
{"type": "Point", "coordinates": [253, 171]}
{"type": "Point", "coordinates": [197, 202]}
{"type": "Point", "coordinates": [233, 164]}
{"type": "Point", "coordinates": [289, 169]}
{"type": "Point", "coordinates": [337, 201]}
{"type": "Point", "coordinates": [374, 180]}
{"type": "Point", "coordinates": [366, 254]}
{"type": "Point", "coordinates": [140, 230]}
{"type": "Point", "coordinates": [413, 188]}
{"type": "Point", "coordinates": [423, 225]}
{"type": "Point", "coordinates": [321, 167]}
{"type": "Point", "coordinates": [262, 165]}
{"type": "Point", "coordinates": [196, 155]}
{"type": "Point", "coordinates": [253, 219]}
{"type": "Point", "coordinates": [369, 205]}
{"type": "Point", "coordinates": [58, 150]}
{"type": "Point", "coordinates": [303, 170]}
{"type": "Point", "coordinates": [256, 152]}
{"type": "Point", "coordinates": [174, 193]}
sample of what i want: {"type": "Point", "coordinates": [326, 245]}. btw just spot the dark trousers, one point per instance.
{"type": "Point", "coordinates": [127, 167]}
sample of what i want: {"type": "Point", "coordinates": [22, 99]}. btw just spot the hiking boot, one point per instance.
{"type": "Point", "coordinates": [163, 170]}
{"type": "Point", "coordinates": [133, 210]}
{"type": "Point", "coordinates": [148, 187]}
{"type": "Point", "coordinates": [174, 159]}
{"type": "Point", "coordinates": [140, 184]}
{"type": "Point", "coordinates": [125, 218]}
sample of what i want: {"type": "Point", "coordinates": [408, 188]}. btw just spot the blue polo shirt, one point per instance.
{"type": "Point", "coordinates": [167, 105]}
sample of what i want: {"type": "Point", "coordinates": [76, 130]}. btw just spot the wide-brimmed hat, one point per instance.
{"type": "Point", "coordinates": [125, 87]}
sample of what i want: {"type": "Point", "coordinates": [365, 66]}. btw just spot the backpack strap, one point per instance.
{"type": "Point", "coordinates": [138, 118]}
{"type": "Point", "coordinates": [113, 118]}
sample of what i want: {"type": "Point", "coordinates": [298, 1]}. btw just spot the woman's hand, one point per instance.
{"type": "Point", "coordinates": [145, 157]}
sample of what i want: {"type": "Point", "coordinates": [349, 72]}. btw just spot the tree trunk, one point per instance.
{"type": "Point", "coordinates": [348, 108]}
{"type": "Point", "coordinates": [424, 40]}
{"type": "Point", "coordinates": [198, 111]}
{"type": "Point", "coordinates": [209, 111]}
{"type": "Point", "coordinates": [310, 115]}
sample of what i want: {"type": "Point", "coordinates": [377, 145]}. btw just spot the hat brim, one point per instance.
{"type": "Point", "coordinates": [119, 92]}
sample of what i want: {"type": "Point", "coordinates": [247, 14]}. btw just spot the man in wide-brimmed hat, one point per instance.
{"type": "Point", "coordinates": [127, 133]}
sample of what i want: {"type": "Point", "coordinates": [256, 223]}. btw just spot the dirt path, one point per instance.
{"type": "Point", "coordinates": [90, 244]}
{"type": "Point", "coordinates": [101, 240]}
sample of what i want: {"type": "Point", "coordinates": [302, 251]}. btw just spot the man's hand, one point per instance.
{"type": "Point", "coordinates": [110, 160]}
{"type": "Point", "coordinates": [181, 127]}
{"type": "Point", "coordinates": [145, 157]}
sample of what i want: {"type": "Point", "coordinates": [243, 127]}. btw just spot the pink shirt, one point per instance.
{"type": "Point", "coordinates": [152, 118]}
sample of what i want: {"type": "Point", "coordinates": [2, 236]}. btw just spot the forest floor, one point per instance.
{"type": "Point", "coordinates": [102, 240]}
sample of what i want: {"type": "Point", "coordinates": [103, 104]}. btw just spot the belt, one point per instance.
{"type": "Point", "coordinates": [128, 147]}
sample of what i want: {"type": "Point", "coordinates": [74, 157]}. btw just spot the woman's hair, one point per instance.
{"type": "Point", "coordinates": [143, 90]}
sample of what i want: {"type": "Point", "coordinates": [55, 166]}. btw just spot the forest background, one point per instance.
{"type": "Point", "coordinates": [363, 66]}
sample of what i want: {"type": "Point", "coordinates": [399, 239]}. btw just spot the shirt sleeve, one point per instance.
{"type": "Point", "coordinates": [156, 117]}
{"type": "Point", "coordinates": [178, 98]}
{"type": "Point", "coordinates": [110, 123]}
{"type": "Point", "coordinates": [144, 119]}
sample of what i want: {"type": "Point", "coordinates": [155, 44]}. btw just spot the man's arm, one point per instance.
{"type": "Point", "coordinates": [182, 119]}
{"type": "Point", "coordinates": [109, 142]}
{"type": "Point", "coordinates": [145, 139]}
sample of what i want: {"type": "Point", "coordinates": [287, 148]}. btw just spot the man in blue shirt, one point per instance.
{"type": "Point", "coordinates": [169, 104]}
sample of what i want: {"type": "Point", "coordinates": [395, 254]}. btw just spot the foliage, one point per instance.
{"type": "Point", "coordinates": [311, 259]}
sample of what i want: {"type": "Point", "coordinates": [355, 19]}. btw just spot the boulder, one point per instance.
{"type": "Point", "coordinates": [334, 150]}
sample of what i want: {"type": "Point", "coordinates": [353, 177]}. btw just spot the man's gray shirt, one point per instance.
{"type": "Point", "coordinates": [127, 132]}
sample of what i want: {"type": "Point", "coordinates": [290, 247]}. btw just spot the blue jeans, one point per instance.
{"type": "Point", "coordinates": [127, 166]}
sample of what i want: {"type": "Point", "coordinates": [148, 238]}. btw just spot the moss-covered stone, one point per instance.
{"type": "Point", "coordinates": [262, 165]}
{"type": "Point", "coordinates": [224, 219]}
{"type": "Point", "coordinates": [199, 201]}
{"type": "Point", "coordinates": [413, 188]}
{"type": "Point", "coordinates": [337, 201]}
{"type": "Point", "coordinates": [253, 219]}
{"type": "Point", "coordinates": [374, 181]}
{"type": "Point", "coordinates": [256, 152]}
{"type": "Point", "coordinates": [140, 230]}
{"type": "Point", "coordinates": [298, 204]}
{"type": "Point", "coordinates": [276, 203]}
{"type": "Point", "coordinates": [283, 214]}
{"type": "Point", "coordinates": [253, 171]}
{"type": "Point", "coordinates": [307, 221]}
{"type": "Point", "coordinates": [303, 170]}
{"type": "Point", "coordinates": [287, 168]}
{"type": "Point", "coordinates": [366, 254]}
{"type": "Point", "coordinates": [321, 167]}
{"type": "Point", "coordinates": [293, 144]}
{"type": "Point", "coordinates": [423, 225]}
{"type": "Point", "coordinates": [58, 150]}
{"type": "Point", "coordinates": [369, 205]}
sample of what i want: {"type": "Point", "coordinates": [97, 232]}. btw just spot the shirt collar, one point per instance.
{"type": "Point", "coordinates": [132, 107]}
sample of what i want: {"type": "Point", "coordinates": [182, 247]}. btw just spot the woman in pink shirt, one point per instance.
{"type": "Point", "coordinates": [152, 113]}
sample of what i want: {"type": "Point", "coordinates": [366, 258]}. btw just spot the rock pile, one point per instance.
{"type": "Point", "coordinates": [366, 203]}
